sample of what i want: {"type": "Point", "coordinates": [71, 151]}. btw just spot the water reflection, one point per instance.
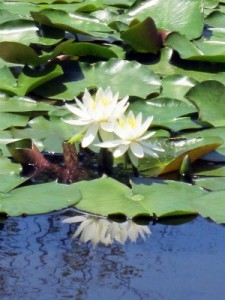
{"type": "Point", "coordinates": [101, 230]}
{"type": "Point", "coordinates": [40, 260]}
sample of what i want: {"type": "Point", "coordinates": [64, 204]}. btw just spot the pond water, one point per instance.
{"type": "Point", "coordinates": [39, 260]}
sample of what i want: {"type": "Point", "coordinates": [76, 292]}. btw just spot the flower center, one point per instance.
{"type": "Point", "coordinates": [94, 106]}
{"type": "Point", "coordinates": [104, 101]}
{"type": "Point", "coordinates": [132, 122]}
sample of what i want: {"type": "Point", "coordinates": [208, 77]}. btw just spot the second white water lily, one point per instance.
{"type": "Point", "coordinates": [97, 114]}
{"type": "Point", "coordinates": [132, 134]}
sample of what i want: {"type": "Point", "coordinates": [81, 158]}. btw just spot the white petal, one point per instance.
{"type": "Point", "coordinates": [146, 125]}
{"type": "Point", "coordinates": [90, 135]}
{"type": "Point", "coordinates": [137, 149]}
{"type": "Point", "coordinates": [87, 99]}
{"type": "Point", "coordinates": [79, 122]}
{"type": "Point", "coordinates": [121, 107]}
{"type": "Point", "coordinates": [120, 150]}
{"type": "Point", "coordinates": [109, 144]}
{"type": "Point", "coordinates": [133, 158]}
{"type": "Point", "coordinates": [76, 111]}
{"type": "Point", "coordinates": [148, 150]}
{"type": "Point", "coordinates": [139, 119]}
{"type": "Point", "coordinates": [152, 146]}
{"type": "Point", "coordinates": [107, 126]}
{"type": "Point", "coordinates": [147, 136]}
{"type": "Point", "coordinates": [81, 105]}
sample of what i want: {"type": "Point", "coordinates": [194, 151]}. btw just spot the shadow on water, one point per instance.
{"type": "Point", "coordinates": [39, 260]}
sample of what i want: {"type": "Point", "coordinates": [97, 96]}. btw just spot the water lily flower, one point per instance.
{"type": "Point", "coordinates": [97, 114]}
{"type": "Point", "coordinates": [101, 230]}
{"type": "Point", "coordinates": [132, 135]}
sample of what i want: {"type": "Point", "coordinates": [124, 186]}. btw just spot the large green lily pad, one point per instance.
{"type": "Point", "coordinates": [115, 73]}
{"type": "Point", "coordinates": [38, 199]}
{"type": "Point", "coordinates": [107, 196]}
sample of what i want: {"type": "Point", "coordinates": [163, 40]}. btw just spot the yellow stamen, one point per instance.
{"type": "Point", "coordinates": [104, 101]}
{"type": "Point", "coordinates": [121, 122]}
{"type": "Point", "coordinates": [132, 121]}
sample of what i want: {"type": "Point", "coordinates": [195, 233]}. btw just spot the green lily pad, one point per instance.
{"type": "Point", "coordinates": [22, 104]}
{"type": "Point", "coordinates": [18, 53]}
{"type": "Point", "coordinates": [10, 175]}
{"type": "Point", "coordinates": [219, 154]}
{"type": "Point", "coordinates": [8, 120]}
{"type": "Point", "coordinates": [184, 16]}
{"type": "Point", "coordinates": [168, 113]}
{"type": "Point", "coordinates": [208, 97]}
{"type": "Point", "coordinates": [28, 80]}
{"type": "Point", "coordinates": [89, 49]}
{"type": "Point", "coordinates": [143, 36]}
{"type": "Point", "coordinates": [72, 22]}
{"type": "Point", "coordinates": [195, 148]}
{"type": "Point", "coordinates": [210, 183]}
{"type": "Point", "coordinates": [107, 196]}
{"type": "Point", "coordinates": [176, 86]}
{"type": "Point", "coordinates": [51, 133]}
{"type": "Point", "coordinates": [115, 73]}
{"type": "Point", "coordinates": [172, 65]}
{"type": "Point", "coordinates": [38, 199]}
{"type": "Point", "coordinates": [204, 169]}
{"type": "Point", "coordinates": [202, 50]}
{"type": "Point", "coordinates": [175, 150]}
{"type": "Point", "coordinates": [211, 206]}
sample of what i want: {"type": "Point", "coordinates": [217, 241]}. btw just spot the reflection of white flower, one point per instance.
{"type": "Point", "coordinates": [98, 229]}
{"type": "Point", "coordinates": [97, 113]}
{"type": "Point", "coordinates": [132, 134]}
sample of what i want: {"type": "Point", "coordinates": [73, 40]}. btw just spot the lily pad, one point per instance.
{"type": "Point", "coordinates": [22, 104]}
{"type": "Point", "coordinates": [202, 50]}
{"type": "Point", "coordinates": [211, 206]}
{"type": "Point", "coordinates": [168, 113]}
{"type": "Point", "coordinates": [49, 132]}
{"type": "Point", "coordinates": [107, 196]}
{"type": "Point", "coordinates": [208, 97]}
{"type": "Point", "coordinates": [143, 36]}
{"type": "Point", "coordinates": [10, 176]}
{"type": "Point", "coordinates": [194, 148]}
{"type": "Point", "coordinates": [210, 183]}
{"type": "Point", "coordinates": [184, 16]}
{"type": "Point", "coordinates": [115, 73]}
{"type": "Point", "coordinates": [38, 199]}
{"type": "Point", "coordinates": [8, 120]}
{"type": "Point", "coordinates": [28, 80]}
{"type": "Point", "coordinates": [72, 22]}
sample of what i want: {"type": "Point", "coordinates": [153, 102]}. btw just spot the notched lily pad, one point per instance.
{"type": "Point", "coordinates": [211, 206]}
{"type": "Point", "coordinates": [107, 196]}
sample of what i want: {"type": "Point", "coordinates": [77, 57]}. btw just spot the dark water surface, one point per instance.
{"type": "Point", "coordinates": [39, 260]}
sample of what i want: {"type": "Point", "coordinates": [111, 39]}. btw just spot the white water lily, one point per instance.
{"type": "Point", "coordinates": [132, 133]}
{"type": "Point", "coordinates": [97, 114]}
{"type": "Point", "coordinates": [101, 230]}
